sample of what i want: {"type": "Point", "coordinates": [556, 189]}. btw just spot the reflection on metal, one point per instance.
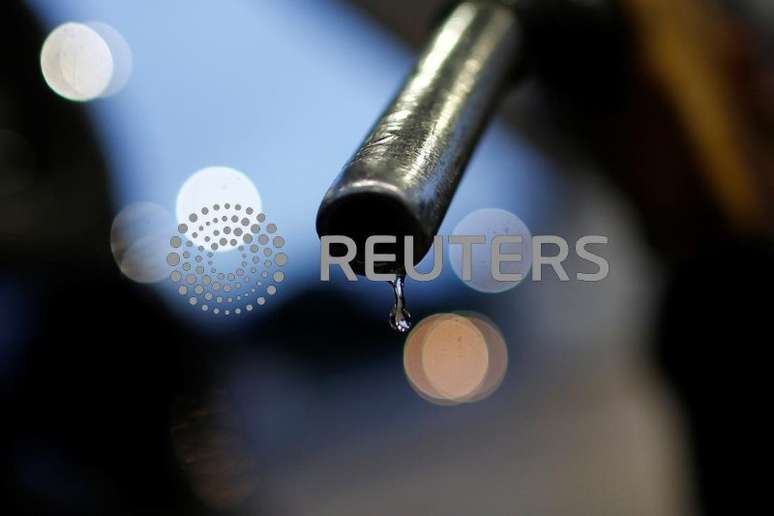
{"type": "Point", "coordinates": [403, 177]}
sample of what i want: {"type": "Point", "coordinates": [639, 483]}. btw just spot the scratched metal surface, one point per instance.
{"type": "Point", "coordinates": [403, 177]}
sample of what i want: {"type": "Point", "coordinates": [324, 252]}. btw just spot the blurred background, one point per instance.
{"type": "Point", "coordinates": [642, 394]}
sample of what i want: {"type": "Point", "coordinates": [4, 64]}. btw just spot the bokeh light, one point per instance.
{"type": "Point", "coordinates": [455, 358]}
{"type": "Point", "coordinates": [412, 361]}
{"type": "Point", "coordinates": [121, 54]}
{"type": "Point", "coordinates": [139, 240]}
{"type": "Point", "coordinates": [213, 451]}
{"type": "Point", "coordinates": [213, 186]}
{"type": "Point", "coordinates": [85, 61]}
{"type": "Point", "coordinates": [491, 222]}
{"type": "Point", "coordinates": [497, 353]}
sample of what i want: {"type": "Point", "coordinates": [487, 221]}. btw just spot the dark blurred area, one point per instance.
{"type": "Point", "coordinates": [659, 119]}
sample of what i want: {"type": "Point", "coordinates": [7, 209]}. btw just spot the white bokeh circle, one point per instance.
{"type": "Point", "coordinates": [139, 239]}
{"type": "Point", "coordinates": [215, 186]}
{"type": "Point", "coordinates": [76, 62]}
{"type": "Point", "coordinates": [491, 222]}
{"type": "Point", "coordinates": [121, 54]}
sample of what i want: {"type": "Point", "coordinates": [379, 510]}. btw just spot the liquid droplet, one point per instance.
{"type": "Point", "coordinates": [400, 318]}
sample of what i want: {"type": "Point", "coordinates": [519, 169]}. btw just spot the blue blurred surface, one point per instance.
{"type": "Point", "coordinates": [282, 91]}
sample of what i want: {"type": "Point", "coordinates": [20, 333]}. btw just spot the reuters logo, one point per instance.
{"type": "Point", "coordinates": [227, 259]}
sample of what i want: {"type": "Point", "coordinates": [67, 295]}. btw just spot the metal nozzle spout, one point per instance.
{"type": "Point", "coordinates": [401, 180]}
